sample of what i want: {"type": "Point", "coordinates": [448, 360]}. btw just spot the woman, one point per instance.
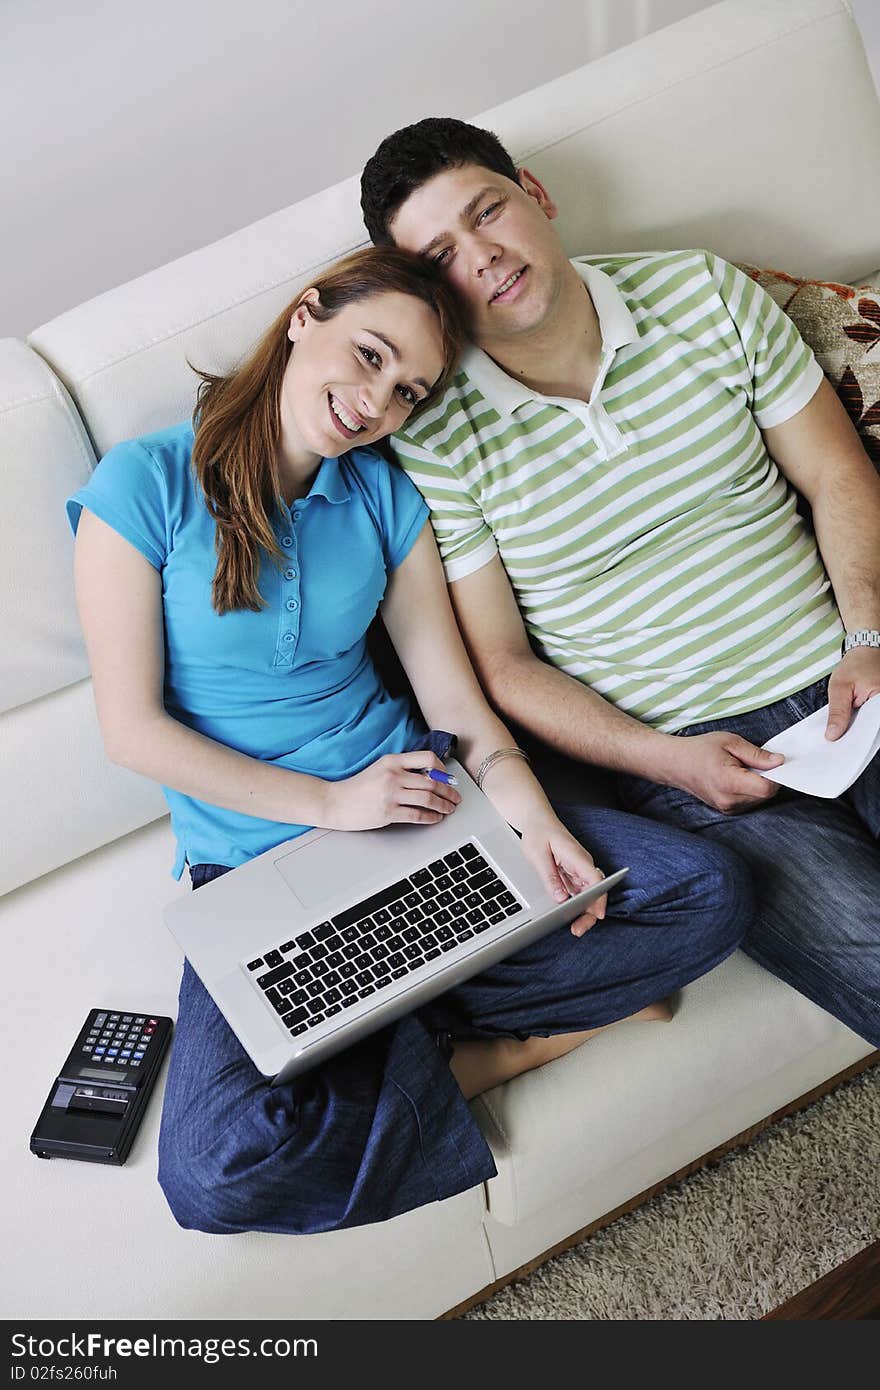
{"type": "Point", "coordinates": [226, 578]}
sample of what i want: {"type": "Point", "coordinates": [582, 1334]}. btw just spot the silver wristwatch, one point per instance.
{"type": "Point", "coordinates": [864, 637]}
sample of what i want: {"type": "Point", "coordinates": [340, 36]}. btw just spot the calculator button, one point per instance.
{"type": "Point", "coordinates": [112, 1051]}
{"type": "Point", "coordinates": [87, 1048]}
{"type": "Point", "coordinates": [114, 1018]}
{"type": "Point", "coordinates": [98, 1051]}
{"type": "Point", "coordinates": [140, 1019]}
{"type": "Point", "coordinates": [134, 1064]}
{"type": "Point", "coordinates": [100, 1018]}
{"type": "Point", "coordinates": [153, 1022]}
{"type": "Point", "coordinates": [127, 1018]}
{"type": "Point", "coordinates": [126, 1053]}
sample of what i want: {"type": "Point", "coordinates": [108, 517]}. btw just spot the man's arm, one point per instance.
{"type": "Point", "coordinates": [821, 455]}
{"type": "Point", "coordinates": [571, 717]}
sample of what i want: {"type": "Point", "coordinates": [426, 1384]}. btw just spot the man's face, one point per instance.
{"type": "Point", "coordinates": [494, 240]}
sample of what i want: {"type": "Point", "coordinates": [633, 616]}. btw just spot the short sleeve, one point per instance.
{"type": "Point", "coordinates": [129, 492]}
{"type": "Point", "coordinates": [403, 513]}
{"type": "Point", "coordinates": [785, 374]}
{"type": "Point", "coordinates": [464, 539]}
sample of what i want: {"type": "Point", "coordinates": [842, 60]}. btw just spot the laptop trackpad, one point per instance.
{"type": "Point", "coordinates": [318, 870]}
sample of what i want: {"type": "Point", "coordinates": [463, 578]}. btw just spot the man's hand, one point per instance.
{"type": "Point", "coordinates": [855, 678]}
{"type": "Point", "coordinates": [723, 770]}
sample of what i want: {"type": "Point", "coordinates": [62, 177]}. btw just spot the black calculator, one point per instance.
{"type": "Point", "coordinates": [99, 1097]}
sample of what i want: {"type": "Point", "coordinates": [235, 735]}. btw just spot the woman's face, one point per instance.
{"type": "Point", "coordinates": [356, 377]}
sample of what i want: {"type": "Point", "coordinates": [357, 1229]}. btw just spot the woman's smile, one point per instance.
{"type": "Point", "coordinates": [344, 420]}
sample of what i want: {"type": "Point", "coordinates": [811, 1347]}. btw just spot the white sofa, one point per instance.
{"type": "Point", "coordinates": [753, 128]}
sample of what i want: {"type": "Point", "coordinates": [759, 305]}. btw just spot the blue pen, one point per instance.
{"type": "Point", "coordinates": [436, 776]}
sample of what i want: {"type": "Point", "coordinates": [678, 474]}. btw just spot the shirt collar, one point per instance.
{"type": "Point", "coordinates": [616, 326]}
{"type": "Point", "coordinates": [330, 483]}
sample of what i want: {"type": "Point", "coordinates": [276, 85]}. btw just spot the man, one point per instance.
{"type": "Point", "coordinates": [613, 481]}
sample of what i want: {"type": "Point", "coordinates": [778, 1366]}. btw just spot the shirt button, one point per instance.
{"type": "Point", "coordinates": [290, 574]}
{"type": "Point", "coordinates": [291, 604]}
{"type": "Point", "coordinates": [297, 515]}
{"type": "Point", "coordinates": [288, 637]}
{"type": "Point", "coordinates": [287, 541]}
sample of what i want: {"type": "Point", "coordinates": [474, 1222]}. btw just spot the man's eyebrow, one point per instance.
{"type": "Point", "coordinates": [395, 353]}
{"type": "Point", "coordinates": [466, 213]}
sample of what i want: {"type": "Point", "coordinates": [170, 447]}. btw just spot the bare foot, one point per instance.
{"type": "Point", "coordinates": [661, 1012]}
{"type": "Point", "coordinates": [480, 1064]}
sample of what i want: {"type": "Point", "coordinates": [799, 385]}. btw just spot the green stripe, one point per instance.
{"type": "Point", "coordinates": [739, 502]}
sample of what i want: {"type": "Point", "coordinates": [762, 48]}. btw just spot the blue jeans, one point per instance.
{"type": "Point", "coordinates": [383, 1127]}
{"type": "Point", "coordinates": [815, 864]}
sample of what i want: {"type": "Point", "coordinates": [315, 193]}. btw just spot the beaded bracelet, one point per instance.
{"type": "Point", "coordinates": [493, 758]}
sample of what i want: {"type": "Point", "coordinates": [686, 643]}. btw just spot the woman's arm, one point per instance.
{"type": "Point", "coordinates": [119, 596]}
{"type": "Point", "coordinates": [420, 622]}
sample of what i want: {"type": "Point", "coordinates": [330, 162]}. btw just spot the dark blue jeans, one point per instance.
{"type": "Point", "coordinates": [383, 1127]}
{"type": "Point", "coordinates": [816, 869]}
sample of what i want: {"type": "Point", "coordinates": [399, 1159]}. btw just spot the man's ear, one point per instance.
{"type": "Point", "coordinates": [535, 189]}
{"type": "Point", "coordinates": [301, 316]}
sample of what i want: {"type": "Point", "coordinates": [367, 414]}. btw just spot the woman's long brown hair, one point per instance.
{"type": "Point", "coordinates": [237, 419]}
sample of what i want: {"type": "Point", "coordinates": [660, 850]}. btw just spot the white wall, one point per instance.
{"type": "Point", "coordinates": [131, 133]}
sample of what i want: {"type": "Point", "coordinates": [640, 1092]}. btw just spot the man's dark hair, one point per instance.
{"type": "Point", "coordinates": [411, 156]}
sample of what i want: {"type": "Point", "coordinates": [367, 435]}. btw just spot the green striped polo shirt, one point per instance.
{"type": "Point", "coordinates": [655, 550]}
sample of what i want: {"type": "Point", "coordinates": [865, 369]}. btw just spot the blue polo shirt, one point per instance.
{"type": "Point", "coordinates": [293, 684]}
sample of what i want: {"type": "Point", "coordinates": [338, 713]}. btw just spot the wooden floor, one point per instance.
{"type": "Point", "coordinates": [849, 1293]}
{"type": "Point", "coordinates": [739, 1141]}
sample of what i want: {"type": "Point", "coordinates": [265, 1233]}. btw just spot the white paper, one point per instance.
{"type": "Point", "coordinates": [821, 766]}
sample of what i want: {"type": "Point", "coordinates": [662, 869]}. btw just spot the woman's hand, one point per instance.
{"type": "Point", "coordinates": [565, 868]}
{"type": "Point", "coordinates": [393, 788]}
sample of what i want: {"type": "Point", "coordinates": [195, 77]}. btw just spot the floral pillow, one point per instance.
{"type": "Point", "coordinates": [841, 323]}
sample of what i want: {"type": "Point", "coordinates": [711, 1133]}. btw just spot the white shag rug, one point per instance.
{"type": "Point", "coordinates": [733, 1241]}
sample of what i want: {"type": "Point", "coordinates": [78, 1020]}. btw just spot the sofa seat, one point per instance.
{"type": "Point", "coordinates": [94, 1241]}
{"type": "Point", "coordinates": [600, 1125]}
{"type": "Point", "coordinates": [637, 1103]}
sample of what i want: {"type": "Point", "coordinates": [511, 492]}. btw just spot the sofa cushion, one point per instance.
{"type": "Point", "coordinates": [841, 323]}
{"type": "Point", "coordinates": [44, 454]}
{"type": "Point", "coordinates": [62, 797]}
{"type": "Point", "coordinates": [617, 1114]}
{"type": "Point", "coordinates": [92, 935]}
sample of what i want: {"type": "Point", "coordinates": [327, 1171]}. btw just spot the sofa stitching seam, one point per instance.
{"type": "Point", "coordinates": [680, 82]}
{"type": "Point", "coordinates": [495, 1117]}
{"type": "Point", "coordinates": [53, 397]}
{"type": "Point", "coordinates": [118, 358]}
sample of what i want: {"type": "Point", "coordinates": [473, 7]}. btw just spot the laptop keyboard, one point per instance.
{"type": "Point", "coordinates": [383, 938]}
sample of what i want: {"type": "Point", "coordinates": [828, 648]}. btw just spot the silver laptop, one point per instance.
{"type": "Point", "coordinates": [326, 938]}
